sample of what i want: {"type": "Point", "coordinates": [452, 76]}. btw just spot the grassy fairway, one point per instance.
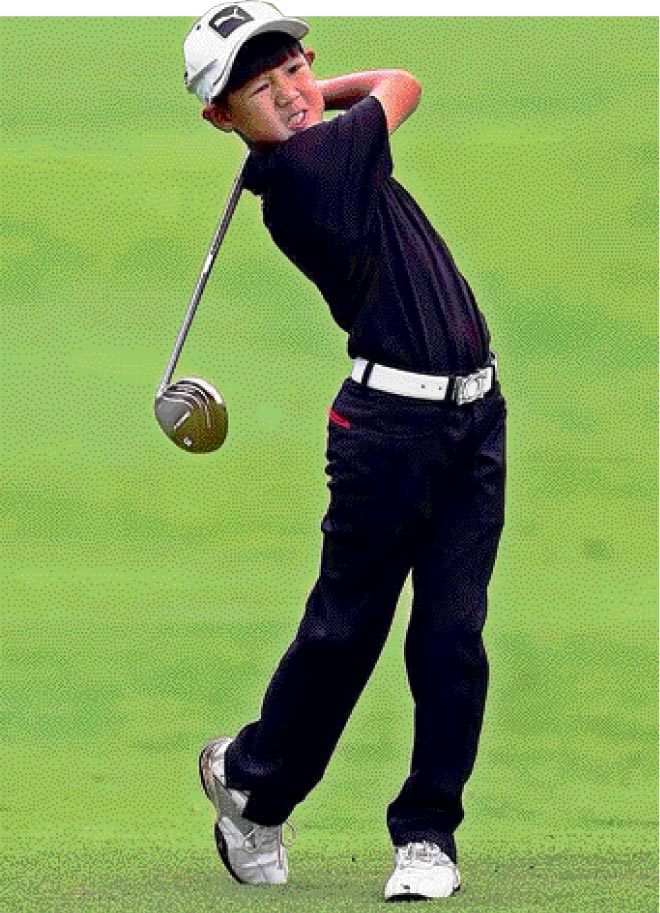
{"type": "Point", "coordinates": [148, 594]}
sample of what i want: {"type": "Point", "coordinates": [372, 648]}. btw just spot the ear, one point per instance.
{"type": "Point", "coordinates": [310, 55]}
{"type": "Point", "coordinates": [218, 117]}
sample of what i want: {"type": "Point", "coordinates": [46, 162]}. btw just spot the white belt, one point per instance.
{"type": "Point", "coordinates": [426, 386]}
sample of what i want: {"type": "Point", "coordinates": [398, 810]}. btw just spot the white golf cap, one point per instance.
{"type": "Point", "coordinates": [211, 45]}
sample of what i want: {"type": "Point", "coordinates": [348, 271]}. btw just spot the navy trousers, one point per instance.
{"type": "Point", "coordinates": [416, 487]}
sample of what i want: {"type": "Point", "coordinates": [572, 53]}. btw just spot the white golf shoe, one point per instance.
{"type": "Point", "coordinates": [252, 853]}
{"type": "Point", "coordinates": [421, 872]}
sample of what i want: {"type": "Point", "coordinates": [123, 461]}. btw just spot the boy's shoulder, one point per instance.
{"type": "Point", "coordinates": [361, 126]}
{"type": "Point", "coordinates": [364, 123]}
{"type": "Point", "coordinates": [331, 152]}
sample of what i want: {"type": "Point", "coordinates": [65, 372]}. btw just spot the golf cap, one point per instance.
{"type": "Point", "coordinates": [211, 45]}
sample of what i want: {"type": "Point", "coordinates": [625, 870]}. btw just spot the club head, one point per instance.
{"type": "Point", "coordinates": [193, 414]}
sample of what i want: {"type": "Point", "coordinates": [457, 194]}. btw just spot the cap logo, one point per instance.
{"type": "Point", "coordinates": [228, 19]}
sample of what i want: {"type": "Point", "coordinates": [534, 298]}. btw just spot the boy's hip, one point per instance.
{"type": "Point", "coordinates": [364, 420]}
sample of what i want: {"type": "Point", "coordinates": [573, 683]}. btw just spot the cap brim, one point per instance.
{"type": "Point", "coordinates": [296, 28]}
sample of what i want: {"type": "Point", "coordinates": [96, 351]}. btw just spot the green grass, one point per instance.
{"type": "Point", "coordinates": [148, 594]}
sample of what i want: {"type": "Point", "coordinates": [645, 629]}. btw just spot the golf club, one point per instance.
{"type": "Point", "coordinates": [191, 412]}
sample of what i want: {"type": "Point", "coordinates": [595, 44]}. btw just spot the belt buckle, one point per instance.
{"type": "Point", "coordinates": [470, 388]}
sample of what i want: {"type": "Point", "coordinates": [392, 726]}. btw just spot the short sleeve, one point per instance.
{"type": "Point", "coordinates": [333, 170]}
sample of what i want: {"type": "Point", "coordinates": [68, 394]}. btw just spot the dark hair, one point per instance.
{"type": "Point", "coordinates": [261, 53]}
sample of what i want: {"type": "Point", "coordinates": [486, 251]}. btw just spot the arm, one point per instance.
{"type": "Point", "coordinates": [397, 90]}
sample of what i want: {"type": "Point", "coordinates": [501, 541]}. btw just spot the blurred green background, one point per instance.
{"type": "Point", "coordinates": [148, 594]}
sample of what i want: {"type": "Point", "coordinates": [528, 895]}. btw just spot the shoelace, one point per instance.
{"type": "Point", "coordinates": [261, 834]}
{"type": "Point", "coordinates": [416, 853]}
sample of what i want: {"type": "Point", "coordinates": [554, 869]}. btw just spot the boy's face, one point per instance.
{"type": "Point", "coordinates": [273, 106]}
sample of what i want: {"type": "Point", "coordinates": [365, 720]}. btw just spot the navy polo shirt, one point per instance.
{"type": "Point", "coordinates": [332, 206]}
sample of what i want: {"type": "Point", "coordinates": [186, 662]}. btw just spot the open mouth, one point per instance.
{"type": "Point", "coordinates": [297, 120]}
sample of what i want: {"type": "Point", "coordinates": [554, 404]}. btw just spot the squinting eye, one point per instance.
{"type": "Point", "coordinates": [259, 88]}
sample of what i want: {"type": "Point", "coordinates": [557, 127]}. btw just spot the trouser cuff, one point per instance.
{"type": "Point", "coordinates": [444, 840]}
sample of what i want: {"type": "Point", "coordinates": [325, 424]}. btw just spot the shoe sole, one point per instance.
{"type": "Point", "coordinates": [223, 852]}
{"type": "Point", "coordinates": [220, 842]}
{"type": "Point", "coordinates": [410, 898]}
{"type": "Point", "coordinates": [200, 765]}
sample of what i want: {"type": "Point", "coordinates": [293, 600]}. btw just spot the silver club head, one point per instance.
{"type": "Point", "coordinates": [193, 414]}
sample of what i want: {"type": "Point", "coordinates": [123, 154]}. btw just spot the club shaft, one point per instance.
{"type": "Point", "coordinates": [209, 260]}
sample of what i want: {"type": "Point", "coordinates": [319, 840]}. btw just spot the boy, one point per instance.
{"type": "Point", "coordinates": [415, 452]}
